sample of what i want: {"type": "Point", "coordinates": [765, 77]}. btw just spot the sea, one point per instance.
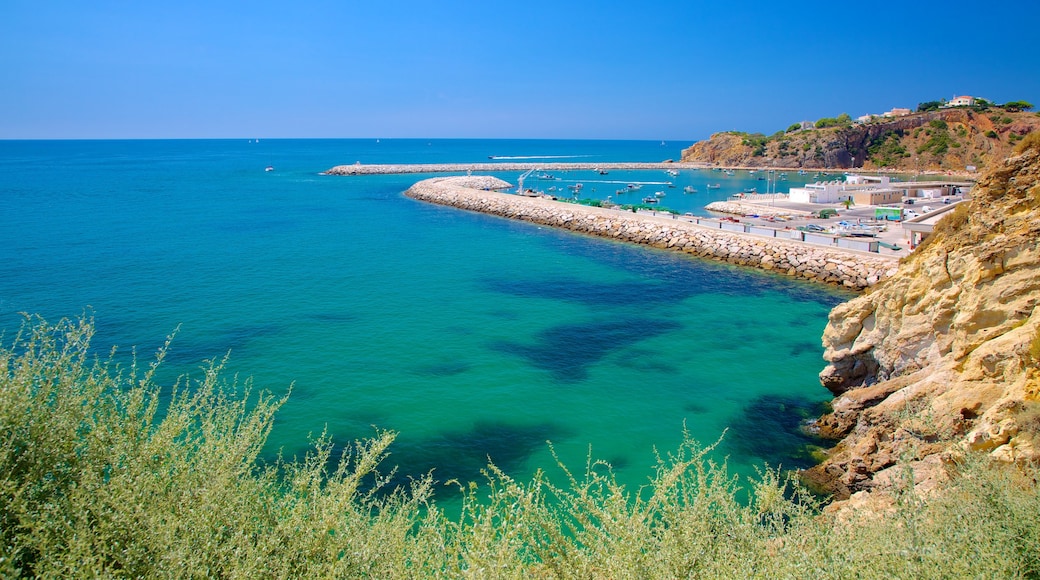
{"type": "Point", "coordinates": [475, 338]}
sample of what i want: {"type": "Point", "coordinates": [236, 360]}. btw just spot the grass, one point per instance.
{"type": "Point", "coordinates": [103, 472]}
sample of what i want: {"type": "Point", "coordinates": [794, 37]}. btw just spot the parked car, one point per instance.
{"type": "Point", "coordinates": [908, 201]}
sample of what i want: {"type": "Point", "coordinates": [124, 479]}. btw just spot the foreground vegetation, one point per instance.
{"type": "Point", "coordinates": [103, 472]}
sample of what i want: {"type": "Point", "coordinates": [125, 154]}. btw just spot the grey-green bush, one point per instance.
{"type": "Point", "coordinates": [103, 472]}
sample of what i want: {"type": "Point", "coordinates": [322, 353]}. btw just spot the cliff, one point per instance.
{"type": "Point", "coordinates": [943, 356]}
{"type": "Point", "coordinates": [943, 140]}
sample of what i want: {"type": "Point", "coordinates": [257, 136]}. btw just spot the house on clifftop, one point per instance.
{"type": "Point", "coordinates": [960, 102]}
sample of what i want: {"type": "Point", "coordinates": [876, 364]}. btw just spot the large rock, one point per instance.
{"type": "Point", "coordinates": [942, 356]}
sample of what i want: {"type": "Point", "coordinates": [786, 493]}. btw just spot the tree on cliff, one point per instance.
{"type": "Point", "coordinates": [1016, 106]}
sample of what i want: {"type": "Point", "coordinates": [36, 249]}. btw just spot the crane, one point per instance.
{"type": "Point", "coordinates": [520, 180]}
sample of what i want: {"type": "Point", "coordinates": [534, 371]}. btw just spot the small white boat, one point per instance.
{"type": "Point", "coordinates": [650, 200]}
{"type": "Point", "coordinates": [269, 168]}
{"type": "Point", "coordinates": [714, 185]}
{"type": "Point", "coordinates": [690, 189]}
{"type": "Point", "coordinates": [672, 172]}
{"type": "Point", "coordinates": [659, 194]}
{"type": "Point", "coordinates": [634, 187]}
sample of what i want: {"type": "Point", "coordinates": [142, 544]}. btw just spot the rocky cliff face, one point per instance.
{"type": "Point", "coordinates": [944, 140]}
{"type": "Point", "coordinates": [943, 356]}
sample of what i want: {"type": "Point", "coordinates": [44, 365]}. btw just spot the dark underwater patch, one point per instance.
{"type": "Point", "coordinates": [462, 455]}
{"type": "Point", "coordinates": [771, 429]}
{"type": "Point", "coordinates": [804, 348]}
{"type": "Point", "coordinates": [695, 408]}
{"type": "Point", "coordinates": [214, 346]}
{"type": "Point", "coordinates": [566, 351]}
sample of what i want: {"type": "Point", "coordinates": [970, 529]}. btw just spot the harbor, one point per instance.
{"type": "Point", "coordinates": [841, 266]}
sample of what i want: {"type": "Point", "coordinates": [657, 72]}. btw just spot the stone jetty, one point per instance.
{"type": "Point", "coordinates": [386, 169]}
{"type": "Point", "coordinates": [856, 270]}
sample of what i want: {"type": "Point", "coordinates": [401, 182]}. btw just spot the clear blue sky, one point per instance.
{"type": "Point", "coordinates": [652, 69]}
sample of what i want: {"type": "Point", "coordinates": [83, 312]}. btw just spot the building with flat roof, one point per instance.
{"type": "Point", "coordinates": [860, 189]}
{"type": "Point", "coordinates": [964, 101]}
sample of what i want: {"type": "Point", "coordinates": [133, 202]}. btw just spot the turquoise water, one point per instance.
{"type": "Point", "coordinates": [471, 335]}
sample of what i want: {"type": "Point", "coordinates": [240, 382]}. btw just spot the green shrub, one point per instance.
{"type": "Point", "coordinates": [103, 473]}
{"type": "Point", "coordinates": [1030, 141]}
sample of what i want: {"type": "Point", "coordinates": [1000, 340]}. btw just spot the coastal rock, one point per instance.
{"type": "Point", "coordinates": [943, 355]}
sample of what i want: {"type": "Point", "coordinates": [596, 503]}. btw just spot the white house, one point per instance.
{"type": "Point", "coordinates": [960, 102]}
{"type": "Point", "coordinates": [897, 112]}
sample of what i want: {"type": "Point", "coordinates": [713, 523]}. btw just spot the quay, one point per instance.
{"type": "Point", "coordinates": [387, 169]}
{"type": "Point", "coordinates": [841, 267]}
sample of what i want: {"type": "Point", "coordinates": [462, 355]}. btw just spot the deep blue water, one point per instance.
{"type": "Point", "coordinates": [470, 335]}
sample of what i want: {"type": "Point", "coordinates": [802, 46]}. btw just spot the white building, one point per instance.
{"type": "Point", "coordinates": [826, 192]}
{"type": "Point", "coordinates": [839, 191]}
{"type": "Point", "coordinates": [961, 102]}
{"type": "Point", "coordinates": [855, 179]}
{"type": "Point", "coordinates": [897, 112]}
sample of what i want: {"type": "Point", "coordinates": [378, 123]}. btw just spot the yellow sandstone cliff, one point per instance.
{"type": "Point", "coordinates": [943, 356]}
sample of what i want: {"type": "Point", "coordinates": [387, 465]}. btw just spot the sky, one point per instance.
{"type": "Point", "coordinates": [652, 69]}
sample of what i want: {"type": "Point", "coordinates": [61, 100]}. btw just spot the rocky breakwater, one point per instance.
{"type": "Point", "coordinates": [943, 357]}
{"type": "Point", "coordinates": [397, 168]}
{"type": "Point", "coordinates": [826, 265]}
